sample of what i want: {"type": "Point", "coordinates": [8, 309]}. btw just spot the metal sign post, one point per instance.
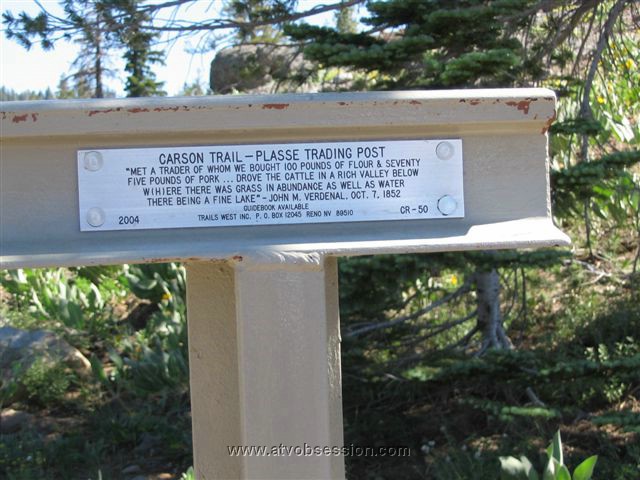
{"type": "Point", "coordinates": [259, 195]}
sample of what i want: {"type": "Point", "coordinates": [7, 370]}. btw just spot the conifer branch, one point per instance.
{"type": "Point", "coordinates": [423, 311]}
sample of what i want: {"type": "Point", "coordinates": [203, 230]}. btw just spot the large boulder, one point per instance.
{"type": "Point", "coordinates": [20, 349]}
{"type": "Point", "coordinates": [13, 420]}
{"type": "Point", "coordinates": [258, 69]}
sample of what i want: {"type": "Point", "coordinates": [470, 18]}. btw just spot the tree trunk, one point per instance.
{"type": "Point", "coordinates": [98, 63]}
{"type": "Point", "coordinates": [489, 315]}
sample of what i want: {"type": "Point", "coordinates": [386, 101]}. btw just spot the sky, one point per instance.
{"type": "Point", "coordinates": [37, 69]}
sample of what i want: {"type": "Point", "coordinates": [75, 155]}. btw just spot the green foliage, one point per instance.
{"type": "Point", "coordinates": [258, 20]}
{"type": "Point", "coordinates": [331, 48]}
{"type": "Point", "coordinates": [156, 282]}
{"type": "Point", "coordinates": [45, 383]}
{"type": "Point", "coordinates": [188, 475]}
{"type": "Point", "coordinates": [576, 126]}
{"type": "Point", "coordinates": [10, 387]}
{"type": "Point", "coordinates": [139, 393]}
{"type": "Point", "coordinates": [498, 64]}
{"type": "Point", "coordinates": [444, 43]}
{"type": "Point", "coordinates": [139, 54]}
{"type": "Point", "coordinates": [195, 89]}
{"type": "Point", "coordinates": [7, 95]}
{"type": "Point", "coordinates": [627, 419]}
{"type": "Point", "coordinates": [508, 413]}
{"type": "Point", "coordinates": [522, 469]}
{"type": "Point", "coordinates": [24, 27]}
{"type": "Point", "coordinates": [594, 177]}
{"type": "Point", "coordinates": [157, 364]}
{"type": "Point", "coordinates": [155, 359]}
{"type": "Point", "coordinates": [376, 284]}
{"type": "Point", "coordinates": [64, 298]}
{"type": "Point", "coordinates": [591, 179]}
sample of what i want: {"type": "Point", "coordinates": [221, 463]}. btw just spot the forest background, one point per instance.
{"type": "Point", "coordinates": [424, 365]}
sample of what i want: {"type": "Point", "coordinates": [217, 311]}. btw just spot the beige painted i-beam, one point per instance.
{"type": "Point", "coordinates": [262, 300]}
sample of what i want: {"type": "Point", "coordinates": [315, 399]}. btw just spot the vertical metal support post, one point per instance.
{"type": "Point", "coordinates": [264, 352]}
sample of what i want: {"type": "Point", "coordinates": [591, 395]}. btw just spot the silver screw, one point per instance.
{"type": "Point", "coordinates": [95, 217]}
{"type": "Point", "coordinates": [93, 161]}
{"type": "Point", "coordinates": [447, 205]}
{"type": "Point", "coordinates": [444, 150]}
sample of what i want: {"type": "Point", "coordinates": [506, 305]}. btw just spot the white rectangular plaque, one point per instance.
{"type": "Point", "coordinates": [230, 185]}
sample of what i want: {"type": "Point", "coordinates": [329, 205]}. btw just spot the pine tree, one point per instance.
{"type": "Point", "coordinates": [86, 24]}
{"type": "Point", "coordinates": [99, 27]}
{"type": "Point", "coordinates": [419, 44]}
{"type": "Point", "coordinates": [139, 54]}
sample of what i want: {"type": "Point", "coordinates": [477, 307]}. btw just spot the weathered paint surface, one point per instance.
{"type": "Point", "coordinates": [147, 116]}
{"type": "Point", "coordinates": [264, 357]}
{"type": "Point", "coordinates": [504, 169]}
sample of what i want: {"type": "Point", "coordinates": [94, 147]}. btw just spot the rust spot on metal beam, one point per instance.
{"type": "Point", "coordinates": [157, 259]}
{"type": "Point", "coordinates": [137, 110]}
{"type": "Point", "coordinates": [275, 106]}
{"type": "Point", "coordinates": [474, 102]}
{"type": "Point", "coordinates": [522, 105]}
{"type": "Point", "coordinates": [547, 125]}
{"type": "Point", "coordinates": [20, 118]}
{"type": "Point", "coordinates": [91, 113]}
{"type": "Point", "coordinates": [415, 102]}
{"type": "Point", "coordinates": [166, 109]}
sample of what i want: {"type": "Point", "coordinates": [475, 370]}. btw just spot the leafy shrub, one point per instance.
{"type": "Point", "coordinates": [46, 383]}
{"type": "Point", "coordinates": [63, 297]}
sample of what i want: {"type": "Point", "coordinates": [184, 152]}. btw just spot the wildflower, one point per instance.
{"type": "Point", "coordinates": [600, 99]}
{"type": "Point", "coordinates": [629, 63]}
{"type": "Point", "coordinates": [166, 296]}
